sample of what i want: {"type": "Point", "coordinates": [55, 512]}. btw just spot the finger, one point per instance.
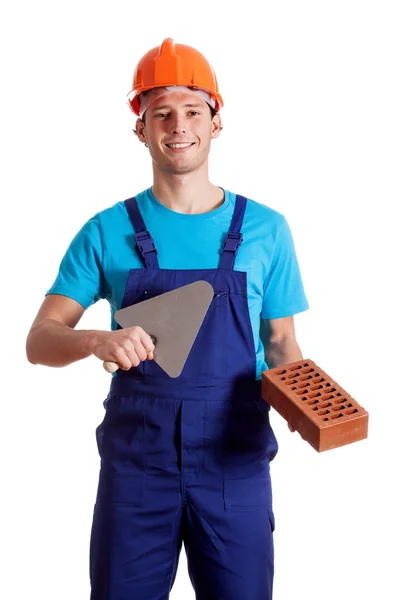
{"type": "Point", "coordinates": [147, 342]}
{"type": "Point", "coordinates": [133, 357]}
{"type": "Point", "coordinates": [123, 360]}
{"type": "Point", "coordinates": [141, 352]}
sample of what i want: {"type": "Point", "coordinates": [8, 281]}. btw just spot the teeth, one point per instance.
{"type": "Point", "coordinates": [179, 145]}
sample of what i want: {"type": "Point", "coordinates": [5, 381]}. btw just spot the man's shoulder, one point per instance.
{"type": "Point", "coordinates": [118, 210]}
{"type": "Point", "coordinates": [259, 214]}
{"type": "Point", "coordinates": [264, 211]}
{"type": "Point", "coordinates": [111, 212]}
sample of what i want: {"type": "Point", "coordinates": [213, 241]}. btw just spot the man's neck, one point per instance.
{"type": "Point", "coordinates": [187, 193]}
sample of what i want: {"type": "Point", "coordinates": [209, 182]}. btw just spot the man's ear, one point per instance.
{"type": "Point", "coordinates": [140, 130]}
{"type": "Point", "coordinates": [216, 126]}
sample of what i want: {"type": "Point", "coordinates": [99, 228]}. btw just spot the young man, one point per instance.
{"type": "Point", "coordinates": [183, 459]}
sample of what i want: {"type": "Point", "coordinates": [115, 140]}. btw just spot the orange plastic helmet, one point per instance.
{"type": "Point", "coordinates": [173, 64]}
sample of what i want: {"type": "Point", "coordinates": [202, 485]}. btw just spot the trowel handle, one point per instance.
{"type": "Point", "coordinates": [111, 367]}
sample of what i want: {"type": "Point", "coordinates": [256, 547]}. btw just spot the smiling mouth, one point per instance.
{"type": "Point", "coordinates": [180, 146]}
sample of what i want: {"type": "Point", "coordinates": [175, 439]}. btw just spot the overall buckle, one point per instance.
{"type": "Point", "coordinates": [145, 242]}
{"type": "Point", "coordinates": [232, 242]}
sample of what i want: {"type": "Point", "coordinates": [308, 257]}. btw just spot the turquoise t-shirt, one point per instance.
{"type": "Point", "coordinates": [97, 262]}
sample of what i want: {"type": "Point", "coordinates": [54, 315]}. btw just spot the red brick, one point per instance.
{"type": "Point", "coordinates": [324, 414]}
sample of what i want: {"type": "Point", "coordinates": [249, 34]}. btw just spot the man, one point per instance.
{"type": "Point", "coordinates": [183, 459]}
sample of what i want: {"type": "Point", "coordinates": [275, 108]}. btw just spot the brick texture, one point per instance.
{"type": "Point", "coordinates": [324, 414]}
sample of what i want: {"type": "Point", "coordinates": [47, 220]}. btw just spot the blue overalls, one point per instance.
{"type": "Point", "coordinates": [187, 459]}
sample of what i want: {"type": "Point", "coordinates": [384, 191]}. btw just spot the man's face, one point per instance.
{"type": "Point", "coordinates": [178, 130]}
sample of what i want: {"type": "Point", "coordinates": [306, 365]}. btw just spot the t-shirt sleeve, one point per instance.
{"type": "Point", "coordinates": [80, 274]}
{"type": "Point", "coordinates": [283, 289]}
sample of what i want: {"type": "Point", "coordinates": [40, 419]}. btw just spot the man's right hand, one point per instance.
{"type": "Point", "coordinates": [127, 347]}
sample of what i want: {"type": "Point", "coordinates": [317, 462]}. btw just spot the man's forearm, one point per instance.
{"type": "Point", "coordinates": [56, 345]}
{"type": "Point", "coordinates": [282, 352]}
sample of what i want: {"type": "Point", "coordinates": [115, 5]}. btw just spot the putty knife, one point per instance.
{"type": "Point", "coordinates": [173, 320]}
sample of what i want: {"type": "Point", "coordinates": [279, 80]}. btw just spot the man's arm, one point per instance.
{"type": "Point", "coordinates": [279, 339]}
{"type": "Point", "coordinates": [52, 339]}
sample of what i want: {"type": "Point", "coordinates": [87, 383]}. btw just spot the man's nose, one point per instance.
{"type": "Point", "coordinates": [178, 124]}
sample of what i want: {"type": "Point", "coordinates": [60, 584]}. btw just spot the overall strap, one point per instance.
{"type": "Point", "coordinates": [144, 242]}
{"type": "Point", "coordinates": [233, 238]}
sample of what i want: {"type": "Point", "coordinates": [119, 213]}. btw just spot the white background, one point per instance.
{"type": "Point", "coordinates": [312, 128]}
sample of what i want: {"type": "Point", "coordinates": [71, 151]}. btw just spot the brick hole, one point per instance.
{"type": "Point", "coordinates": [303, 385]}
{"type": "Point", "coordinates": [281, 372]}
{"type": "Point", "coordinates": [316, 387]}
{"type": "Point", "coordinates": [293, 375]}
{"type": "Point", "coordinates": [301, 392]}
{"type": "Point", "coordinates": [310, 370]}
{"type": "Point", "coordinates": [310, 402]}
{"type": "Point", "coordinates": [352, 411]}
{"type": "Point", "coordinates": [341, 407]}
{"type": "Point", "coordinates": [319, 380]}
{"type": "Point", "coordinates": [327, 397]}
{"type": "Point", "coordinates": [291, 381]}
{"type": "Point", "coordinates": [326, 419]}
{"type": "Point", "coordinates": [323, 412]}
{"type": "Point", "coordinates": [325, 404]}
{"type": "Point", "coordinates": [338, 394]}
{"type": "Point", "coordinates": [314, 395]}
{"type": "Point", "coordinates": [337, 416]}
{"type": "Point", "coordinates": [329, 388]}
{"type": "Point", "coordinates": [296, 368]}
{"type": "Point", "coordinates": [305, 377]}
{"type": "Point", "coordinates": [349, 405]}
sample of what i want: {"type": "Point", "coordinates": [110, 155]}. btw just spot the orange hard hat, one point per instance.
{"type": "Point", "coordinates": [173, 64]}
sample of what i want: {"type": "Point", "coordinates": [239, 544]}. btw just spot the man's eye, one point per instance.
{"type": "Point", "coordinates": [160, 115]}
{"type": "Point", "coordinates": [194, 112]}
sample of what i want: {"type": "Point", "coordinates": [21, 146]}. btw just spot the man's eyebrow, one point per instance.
{"type": "Point", "coordinates": [195, 105]}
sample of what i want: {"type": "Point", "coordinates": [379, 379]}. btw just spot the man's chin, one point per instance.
{"type": "Point", "coordinates": [181, 169]}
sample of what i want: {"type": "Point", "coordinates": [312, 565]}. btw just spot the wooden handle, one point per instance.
{"type": "Point", "coordinates": [110, 367]}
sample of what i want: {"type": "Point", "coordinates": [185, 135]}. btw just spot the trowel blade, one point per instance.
{"type": "Point", "coordinates": [174, 319]}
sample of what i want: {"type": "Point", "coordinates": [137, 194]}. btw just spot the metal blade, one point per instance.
{"type": "Point", "coordinates": [173, 319]}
